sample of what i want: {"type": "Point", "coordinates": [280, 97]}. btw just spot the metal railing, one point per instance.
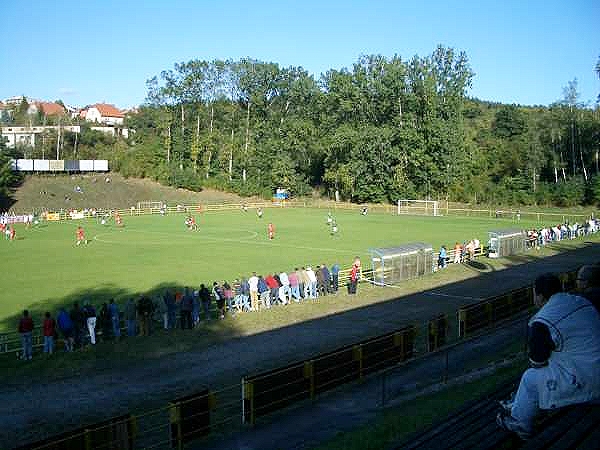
{"type": "Point", "coordinates": [220, 410]}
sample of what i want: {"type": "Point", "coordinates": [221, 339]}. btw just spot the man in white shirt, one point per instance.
{"type": "Point", "coordinates": [253, 283]}
{"type": "Point", "coordinates": [285, 290]}
{"type": "Point", "coordinates": [313, 282]}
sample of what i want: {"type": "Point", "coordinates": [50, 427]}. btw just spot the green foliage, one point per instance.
{"type": "Point", "coordinates": [383, 129]}
{"type": "Point", "coordinates": [509, 123]}
{"type": "Point", "coordinates": [8, 178]}
{"type": "Point", "coordinates": [593, 193]}
{"type": "Point", "coordinates": [185, 178]}
{"type": "Point", "coordinates": [569, 193]}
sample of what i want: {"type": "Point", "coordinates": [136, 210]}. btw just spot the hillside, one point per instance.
{"type": "Point", "coordinates": [60, 192]}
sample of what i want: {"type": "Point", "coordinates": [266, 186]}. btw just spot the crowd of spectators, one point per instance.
{"type": "Point", "coordinates": [461, 252]}
{"type": "Point", "coordinates": [186, 308]}
{"type": "Point", "coordinates": [537, 238]}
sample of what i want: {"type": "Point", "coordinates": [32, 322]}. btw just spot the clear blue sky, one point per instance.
{"type": "Point", "coordinates": [522, 51]}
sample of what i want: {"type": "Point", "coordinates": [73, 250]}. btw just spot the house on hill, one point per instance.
{"type": "Point", "coordinates": [103, 113]}
{"type": "Point", "coordinates": [47, 108]}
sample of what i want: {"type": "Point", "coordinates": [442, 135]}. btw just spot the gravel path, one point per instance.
{"type": "Point", "coordinates": [31, 412]}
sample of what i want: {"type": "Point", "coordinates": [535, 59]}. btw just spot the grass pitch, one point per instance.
{"type": "Point", "coordinates": [44, 269]}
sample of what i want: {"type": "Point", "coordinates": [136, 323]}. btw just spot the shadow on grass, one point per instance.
{"type": "Point", "coordinates": [479, 266]}
{"type": "Point", "coordinates": [108, 354]}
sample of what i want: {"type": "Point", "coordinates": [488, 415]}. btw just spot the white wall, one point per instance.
{"type": "Point", "coordinates": [93, 115]}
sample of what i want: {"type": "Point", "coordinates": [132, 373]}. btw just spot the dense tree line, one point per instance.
{"type": "Point", "coordinates": [385, 129]}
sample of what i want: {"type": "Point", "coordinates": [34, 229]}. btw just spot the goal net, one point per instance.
{"type": "Point", "coordinates": [418, 207]}
{"type": "Point", "coordinates": [149, 206]}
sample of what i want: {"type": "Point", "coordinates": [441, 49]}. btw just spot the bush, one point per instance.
{"type": "Point", "coordinates": [184, 178]}
{"type": "Point", "coordinates": [569, 193]}
{"type": "Point", "coordinates": [593, 190]}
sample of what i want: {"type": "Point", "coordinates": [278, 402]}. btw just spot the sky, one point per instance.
{"type": "Point", "coordinates": [84, 52]}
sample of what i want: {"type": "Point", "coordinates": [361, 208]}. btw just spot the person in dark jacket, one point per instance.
{"type": "Point", "coordinates": [219, 296]}
{"type": "Point", "coordinates": [115, 318]}
{"type": "Point", "coordinates": [105, 322]}
{"type": "Point", "coordinates": [264, 292]}
{"type": "Point", "coordinates": [205, 299]}
{"type": "Point", "coordinates": [171, 308]}
{"type": "Point", "coordinates": [187, 306]}
{"type": "Point", "coordinates": [78, 319]}
{"type": "Point", "coordinates": [326, 279]}
{"type": "Point", "coordinates": [130, 316]}
{"type": "Point", "coordinates": [321, 287]}
{"type": "Point", "coordinates": [145, 308]}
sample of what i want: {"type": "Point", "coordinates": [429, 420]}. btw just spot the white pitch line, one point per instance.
{"type": "Point", "coordinates": [251, 240]}
{"type": "Point", "coordinates": [466, 297]}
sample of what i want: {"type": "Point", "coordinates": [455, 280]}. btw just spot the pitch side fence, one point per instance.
{"type": "Point", "coordinates": [448, 210]}
{"type": "Point", "coordinates": [214, 410]}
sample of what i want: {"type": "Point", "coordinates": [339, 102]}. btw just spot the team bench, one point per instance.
{"type": "Point", "coordinates": [474, 427]}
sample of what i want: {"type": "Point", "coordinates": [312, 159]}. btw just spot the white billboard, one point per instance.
{"type": "Point", "coordinates": [41, 165]}
{"type": "Point", "coordinates": [86, 165]}
{"type": "Point", "coordinates": [101, 165]}
{"type": "Point", "coordinates": [25, 165]}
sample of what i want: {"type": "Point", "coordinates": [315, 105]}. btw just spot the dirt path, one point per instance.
{"type": "Point", "coordinates": [29, 412]}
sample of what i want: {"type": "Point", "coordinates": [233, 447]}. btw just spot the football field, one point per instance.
{"type": "Point", "coordinates": [43, 268]}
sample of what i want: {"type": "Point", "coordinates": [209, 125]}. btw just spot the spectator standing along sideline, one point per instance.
{"type": "Point", "coordinates": [25, 329]}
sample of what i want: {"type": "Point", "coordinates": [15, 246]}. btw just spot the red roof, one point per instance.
{"type": "Point", "coordinates": [107, 110]}
{"type": "Point", "coordinates": [50, 109]}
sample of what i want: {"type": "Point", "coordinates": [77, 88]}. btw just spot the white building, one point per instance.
{"type": "Point", "coordinates": [26, 135]}
{"type": "Point", "coordinates": [103, 113]}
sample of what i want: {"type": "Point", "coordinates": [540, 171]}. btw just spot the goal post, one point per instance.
{"type": "Point", "coordinates": [418, 207]}
{"type": "Point", "coordinates": [151, 206]}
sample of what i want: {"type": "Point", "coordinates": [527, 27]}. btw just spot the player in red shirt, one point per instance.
{"type": "Point", "coordinates": [118, 220]}
{"type": "Point", "coordinates": [13, 233]}
{"type": "Point", "coordinates": [271, 231]}
{"type": "Point", "coordinates": [80, 236]}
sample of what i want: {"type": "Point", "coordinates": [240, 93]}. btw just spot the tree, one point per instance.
{"type": "Point", "coordinates": [20, 115]}
{"type": "Point", "coordinates": [598, 73]}
{"type": "Point", "coordinates": [8, 177]}
{"type": "Point", "coordinates": [382, 129]}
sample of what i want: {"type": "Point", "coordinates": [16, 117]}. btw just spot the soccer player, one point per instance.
{"type": "Point", "coordinates": [329, 218]}
{"type": "Point", "coordinates": [193, 225]}
{"type": "Point", "coordinates": [271, 231]}
{"type": "Point", "coordinates": [259, 213]}
{"type": "Point", "coordinates": [13, 234]}
{"type": "Point", "coordinates": [118, 219]}
{"type": "Point", "coordinates": [80, 235]}
{"type": "Point", "coordinates": [334, 228]}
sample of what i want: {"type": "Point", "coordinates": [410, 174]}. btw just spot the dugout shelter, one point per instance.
{"type": "Point", "coordinates": [395, 264]}
{"type": "Point", "coordinates": [506, 242]}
